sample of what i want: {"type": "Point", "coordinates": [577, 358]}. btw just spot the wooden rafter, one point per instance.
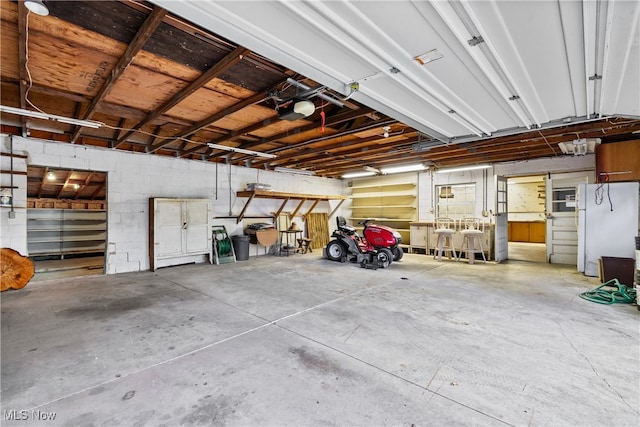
{"type": "Point", "coordinates": [44, 176]}
{"type": "Point", "coordinates": [356, 129]}
{"type": "Point", "coordinates": [121, 124]}
{"type": "Point", "coordinates": [220, 67]}
{"type": "Point", "coordinates": [231, 136]}
{"type": "Point", "coordinates": [330, 122]}
{"type": "Point", "coordinates": [66, 182]}
{"type": "Point", "coordinates": [84, 185]}
{"type": "Point", "coordinates": [144, 33]}
{"type": "Point", "coordinates": [321, 153]}
{"type": "Point", "coordinates": [152, 138]}
{"type": "Point", "coordinates": [256, 98]}
{"type": "Point", "coordinates": [179, 54]}
{"type": "Point", "coordinates": [22, 61]}
{"type": "Point", "coordinates": [95, 193]}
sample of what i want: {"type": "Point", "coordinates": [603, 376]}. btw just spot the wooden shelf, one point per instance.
{"type": "Point", "coordinates": [399, 184]}
{"type": "Point", "coordinates": [388, 202]}
{"type": "Point", "coordinates": [384, 207]}
{"type": "Point", "coordinates": [382, 219]}
{"type": "Point", "coordinates": [286, 197]}
{"type": "Point", "coordinates": [381, 195]}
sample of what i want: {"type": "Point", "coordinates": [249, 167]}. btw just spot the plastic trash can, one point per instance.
{"type": "Point", "coordinates": [241, 247]}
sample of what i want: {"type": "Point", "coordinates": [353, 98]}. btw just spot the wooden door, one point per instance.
{"type": "Point", "coordinates": [562, 229]}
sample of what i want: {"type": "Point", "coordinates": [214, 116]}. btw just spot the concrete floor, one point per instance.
{"type": "Point", "coordinates": [67, 268]}
{"type": "Point", "coordinates": [306, 341]}
{"type": "Point", "coordinates": [530, 252]}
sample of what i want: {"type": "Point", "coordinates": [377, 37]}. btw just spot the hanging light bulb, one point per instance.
{"type": "Point", "coordinates": [37, 7]}
{"type": "Point", "coordinates": [51, 176]}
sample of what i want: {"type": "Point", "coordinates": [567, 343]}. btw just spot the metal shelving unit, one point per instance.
{"type": "Point", "coordinates": [60, 232]}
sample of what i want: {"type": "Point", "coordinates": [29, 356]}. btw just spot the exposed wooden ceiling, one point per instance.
{"type": "Point", "coordinates": [57, 183]}
{"type": "Point", "coordinates": [167, 87]}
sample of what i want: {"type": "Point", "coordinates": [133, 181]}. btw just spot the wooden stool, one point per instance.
{"type": "Point", "coordinates": [472, 235]}
{"type": "Point", "coordinates": [303, 245]}
{"type": "Point", "coordinates": [445, 227]}
{"type": "Point", "coordinates": [444, 245]}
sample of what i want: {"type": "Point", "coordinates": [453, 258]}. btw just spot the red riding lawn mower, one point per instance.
{"type": "Point", "coordinates": [377, 248]}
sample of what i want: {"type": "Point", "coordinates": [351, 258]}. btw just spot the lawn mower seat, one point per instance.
{"type": "Point", "coordinates": [342, 226]}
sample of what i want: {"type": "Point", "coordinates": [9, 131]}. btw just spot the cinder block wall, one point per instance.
{"type": "Point", "coordinates": [132, 178]}
{"type": "Point", "coordinates": [13, 227]}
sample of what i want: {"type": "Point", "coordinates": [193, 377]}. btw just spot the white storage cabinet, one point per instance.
{"type": "Point", "coordinates": [179, 232]}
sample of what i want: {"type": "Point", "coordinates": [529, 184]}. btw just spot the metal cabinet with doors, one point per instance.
{"type": "Point", "coordinates": [179, 231]}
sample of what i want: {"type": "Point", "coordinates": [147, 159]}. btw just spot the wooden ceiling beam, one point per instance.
{"type": "Point", "coordinates": [351, 115]}
{"type": "Point", "coordinates": [354, 146]}
{"type": "Point", "coordinates": [220, 67]}
{"type": "Point", "coordinates": [148, 27]}
{"type": "Point", "coordinates": [356, 159]}
{"type": "Point", "coordinates": [117, 111]}
{"type": "Point", "coordinates": [358, 154]}
{"type": "Point", "coordinates": [66, 182]}
{"type": "Point", "coordinates": [330, 122]}
{"type": "Point", "coordinates": [44, 176]}
{"type": "Point", "coordinates": [366, 151]}
{"type": "Point", "coordinates": [234, 134]}
{"type": "Point", "coordinates": [22, 63]}
{"type": "Point", "coordinates": [84, 185]}
{"type": "Point", "coordinates": [97, 191]}
{"type": "Point", "coordinates": [254, 99]}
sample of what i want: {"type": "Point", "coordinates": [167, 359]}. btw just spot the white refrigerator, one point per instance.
{"type": "Point", "coordinates": [607, 222]}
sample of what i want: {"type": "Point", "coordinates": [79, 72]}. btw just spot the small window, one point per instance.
{"type": "Point", "coordinates": [456, 200]}
{"type": "Point", "coordinates": [564, 199]}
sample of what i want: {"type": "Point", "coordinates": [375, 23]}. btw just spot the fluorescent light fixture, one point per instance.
{"type": "Point", "coordinates": [37, 7]}
{"type": "Point", "coordinates": [579, 147]}
{"type": "Point", "coordinates": [463, 168]}
{"type": "Point", "coordinates": [291, 170]}
{"type": "Point", "coordinates": [358, 174]}
{"type": "Point", "coordinates": [241, 150]}
{"type": "Point", "coordinates": [407, 168]}
{"type": "Point", "coordinates": [52, 117]}
{"type": "Point", "coordinates": [371, 169]}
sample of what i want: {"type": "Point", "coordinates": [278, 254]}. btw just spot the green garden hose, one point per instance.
{"type": "Point", "coordinates": [224, 247]}
{"type": "Point", "coordinates": [623, 294]}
